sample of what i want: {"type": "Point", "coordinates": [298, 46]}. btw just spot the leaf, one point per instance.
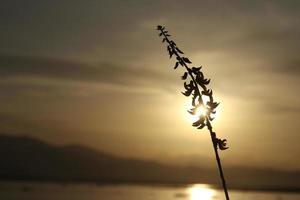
{"type": "Point", "coordinates": [207, 92]}
{"type": "Point", "coordinates": [181, 63]}
{"type": "Point", "coordinates": [200, 80]}
{"type": "Point", "coordinates": [212, 105]}
{"type": "Point", "coordinates": [201, 126]}
{"type": "Point", "coordinates": [199, 122]}
{"type": "Point", "coordinates": [170, 50]}
{"type": "Point", "coordinates": [173, 43]}
{"type": "Point", "coordinates": [186, 60]}
{"type": "Point", "coordinates": [176, 65]}
{"type": "Point", "coordinates": [177, 49]}
{"type": "Point", "coordinates": [168, 35]}
{"type": "Point", "coordinates": [206, 81]}
{"type": "Point", "coordinates": [195, 95]}
{"type": "Point", "coordinates": [163, 40]}
{"type": "Point", "coordinates": [187, 92]}
{"type": "Point", "coordinates": [192, 111]}
{"type": "Point", "coordinates": [184, 76]}
{"type": "Point", "coordinates": [159, 27]}
{"type": "Point", "coordinates": [222, 144]}
{"type": "Point", "coordinates": [188, 86]}
{"type": "Point", "coordinates": [196, 69]}
{"type": "Point", "coordinates": [160, 34]}
{"type": "Point", "coordinates": [198, 73]}
{"type": "Point", "coordinates": [216, 104]}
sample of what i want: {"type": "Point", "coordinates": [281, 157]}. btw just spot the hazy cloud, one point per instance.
{"type": "Point", "coordinates": [41, 67]}
{"type": "Point", "coordinates": [249, 49]}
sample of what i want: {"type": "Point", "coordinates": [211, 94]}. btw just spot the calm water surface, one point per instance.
{"type": "Point", "coordinates": [35, 191]}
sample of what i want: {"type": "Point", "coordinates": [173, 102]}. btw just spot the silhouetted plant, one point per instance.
{"type": "Point", "coordinates": [195, 85]}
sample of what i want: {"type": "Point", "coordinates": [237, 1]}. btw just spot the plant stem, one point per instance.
{"type": "Point", "coordinates": [208, 124]}
{"type": "Point", "coordinates": [184, 64]}
{"type": "Point", "coordinates": [214, 139]}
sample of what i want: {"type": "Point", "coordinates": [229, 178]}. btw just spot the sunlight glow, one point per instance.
{"type": "Point", "coordinates": [201, 192]}
{"type": "Point", "coordinates": [199, 111]}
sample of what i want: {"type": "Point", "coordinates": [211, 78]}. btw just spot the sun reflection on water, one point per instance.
{"type": "Point", "coordinates": [201, 192]}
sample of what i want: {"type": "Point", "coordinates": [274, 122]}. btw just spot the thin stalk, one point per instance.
{"type": "Point", "coordinates": [186, 67]}
{"type": "Point", "coordinates": [214, 139]}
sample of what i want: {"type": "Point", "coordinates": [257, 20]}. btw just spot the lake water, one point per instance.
{"type": "Point", "coordinates": [42, 191]}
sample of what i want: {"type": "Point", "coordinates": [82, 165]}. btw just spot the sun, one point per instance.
{"type": "Point", "coordinates": [201, 111]}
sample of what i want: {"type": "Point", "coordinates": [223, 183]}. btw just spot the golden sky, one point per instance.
{"type": "Point", "coordinates": [95, 73]}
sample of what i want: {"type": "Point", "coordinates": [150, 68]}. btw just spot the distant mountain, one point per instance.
{"type": "Point", "coordinates": [25, 158]}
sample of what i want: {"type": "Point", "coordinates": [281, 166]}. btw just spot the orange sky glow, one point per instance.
{"type": "Point", "coordinates": [99, 76]}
